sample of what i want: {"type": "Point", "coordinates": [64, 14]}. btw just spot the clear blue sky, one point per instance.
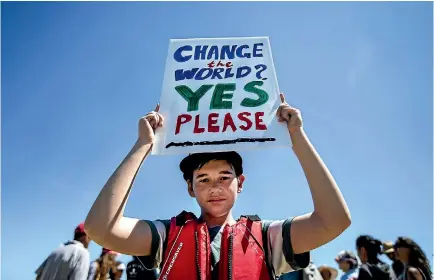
{"type": "Point", "coordinates": [76, 77]}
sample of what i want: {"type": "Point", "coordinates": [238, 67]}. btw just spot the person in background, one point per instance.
{"type": "Point", "coordinates": [327, 272]}
{"type": "Point", "coordinates": [100, 268]}
{"type": "Point", "coordinates": [368, 250]}
{"type": "Point", "coordinates": [416, 264]}
{"type": "Point", "coordinates": [348, 263]}
{"type": "Point", "coordinates": [137, 269]}
{"type": "Point", "coordinates": [388, 250]}
{"type": "Point", "coordinates": [311, 272]}
{"type": "Point", "coordinates": [70, 261]}
{"type": "Point", "coordinates": [120, 268]}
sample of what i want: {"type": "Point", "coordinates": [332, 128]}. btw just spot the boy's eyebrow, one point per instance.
{"type": "Point", "coordinates": [228, 172]}
{"type": "Point", "coordinates": [201, 175]}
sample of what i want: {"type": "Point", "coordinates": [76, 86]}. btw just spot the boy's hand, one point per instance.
{"type": "Point", "coordinates": [289, 114]}
{"type": "Point", "coordinates": [148, 124]}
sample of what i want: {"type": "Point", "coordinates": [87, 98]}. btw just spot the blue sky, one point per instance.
{"type": "Point", "coordinates": [76, 77]}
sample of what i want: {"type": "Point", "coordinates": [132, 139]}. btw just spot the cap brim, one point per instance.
{"type": "Point", "coordinates": [191, 161]}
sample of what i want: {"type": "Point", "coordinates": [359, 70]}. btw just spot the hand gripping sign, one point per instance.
{"type": "Point", "coordinates": [219, 94]}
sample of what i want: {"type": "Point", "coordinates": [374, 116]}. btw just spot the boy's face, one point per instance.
{"type": "Point", "coordinates": [215, 187]}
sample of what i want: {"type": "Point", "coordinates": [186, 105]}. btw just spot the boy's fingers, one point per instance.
{"type": "Point", "coordinates": [282, 97]}
{"type": "Point", "coordinates": [279, 111]}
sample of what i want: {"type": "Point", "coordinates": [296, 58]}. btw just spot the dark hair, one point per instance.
{"type": "Point", "coordinates": [353, 264]}
{"type": "Point", "coordinates": [78, 235]}
{"type": "Point", "coordinates": [417, 257]}
{"type": "Point", "coordinates": [372, 247]}
{"type": "Point", "coordinates": [196, 161]}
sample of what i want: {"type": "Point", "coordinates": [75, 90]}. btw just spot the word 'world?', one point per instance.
{"type": "Point", "coordinates": [219, 95]}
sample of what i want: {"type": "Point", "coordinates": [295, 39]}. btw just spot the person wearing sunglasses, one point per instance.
{"type": "Point", "coordinates": [416, 264]}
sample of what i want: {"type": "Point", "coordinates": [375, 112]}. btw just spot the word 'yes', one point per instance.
{"type": "Point", "coordinates": [221, 95]}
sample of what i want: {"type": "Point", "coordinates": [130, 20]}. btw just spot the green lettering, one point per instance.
{"type": "Point", "coordinates": [262, 95]}
{"type": "Point", "coordinates": [192, 97]}
{"type": "Point", "coordinates": [219, 94]}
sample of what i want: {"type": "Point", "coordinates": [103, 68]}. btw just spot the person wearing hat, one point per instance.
{"type": "Point", "coordinates": [105, 267]}
{"type": "Point", "coordinates": [187, 247]}
{"type": "Point", "coordinates": [389, 251]}
{"type": "Point", "coordinates": [348, 263]}
{"type": "Point", "coordinates": [327, 272]}
{"type": "Point", "coordinates": [70, 261]}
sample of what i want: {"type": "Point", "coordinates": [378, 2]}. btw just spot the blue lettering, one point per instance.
{"type": "Point", "coordinates": [214, 50]}
{"type": "Point", "coordinates": [200, 51]}
{"type": "Point", "coordinates": [240, 51]}
{"type": "Point", "coordinates": [178, 53]}
{"type": "Point", "coordinates": [181, 74]}
{"type": "Point", "coordinates": [256, 49]}
{"type": "Point", "coordinates": [200, 76]}
{"type": "Point", "coordinates": [240, 73]}
{"type": "Point", "coordinates": [228, 73]}
{"type": "Point", "coordinates": [226, 52]}
{"type": "Point", "coordinates": [261, 68]}
{"type": "Point", "coordinates": [217, 72]}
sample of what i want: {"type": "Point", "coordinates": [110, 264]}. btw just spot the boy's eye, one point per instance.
{"type": "Point", "coordinates": [224, 178]}
{"type": "Point", "coordinates": [204, 181]}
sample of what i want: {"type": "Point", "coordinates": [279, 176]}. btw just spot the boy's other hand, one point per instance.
{"type": "Point", "coordinates": [291, 115]}
{"type": "Point", "coordinates": [148, 124]}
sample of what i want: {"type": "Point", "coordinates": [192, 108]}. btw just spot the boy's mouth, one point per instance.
{"type": "Point", "coordinates": [216, 200]}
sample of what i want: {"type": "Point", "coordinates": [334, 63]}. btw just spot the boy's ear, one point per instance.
{"type": "Point", "coordinates": [241, 179]}
{"type": "Point", "coordinates": [190, 188]}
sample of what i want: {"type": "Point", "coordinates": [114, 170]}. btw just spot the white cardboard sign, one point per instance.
{"type": "Point", "coordinates": [219, 94]}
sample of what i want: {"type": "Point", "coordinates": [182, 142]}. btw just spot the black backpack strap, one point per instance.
{"type": "Point", "coordinates": [265, 226]}
{"type": "Point", "coordinates": [155, 240]}
{"type": "Point", "coordinates": [253, 218]}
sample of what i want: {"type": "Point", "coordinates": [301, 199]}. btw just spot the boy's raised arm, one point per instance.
{"type": "Point", "coordinates": [331, 215]}
{"type": "Point", "coordinates": [105, 223]}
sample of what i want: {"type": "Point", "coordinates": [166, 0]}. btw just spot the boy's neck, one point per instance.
{"type": "Point", "coordinates": [212, 221]}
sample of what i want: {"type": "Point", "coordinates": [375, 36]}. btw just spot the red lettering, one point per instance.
{"type": "Point", "coordinates": [212, 120]}
{"type": "Point", "coordinates": [220, 63]}
{"type": "Point", "coordinates": [229, 64]}
{"type": "Point", "coordinates": [244, 117]}
{"type": "Point", "coordinates": [211, 64]}
{"type": "Point", "coordinates": [258, 121]}
{"type": "Point", "coordinates": [182, 119]}
{"type": "Point", "coordinates": [228, 121]}
{"type": "Point", "coordinates": [197, 129]}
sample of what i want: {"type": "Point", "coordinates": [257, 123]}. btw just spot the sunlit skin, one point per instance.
{"type": "Point", "coordinates": [402, 253]}
{"type": "Point", "coordinates": [344, 266]}
{"type": "Point", "coordinates": [216, 188]}
{"type": "Point", "coordinates": [391, 256]}
{"type": "Point", "coordinates": [363, 255]}
{"type": "Point", "coordinates": [326, 275]}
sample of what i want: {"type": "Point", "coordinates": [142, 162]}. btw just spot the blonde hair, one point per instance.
{"type": "Point", "coordinates": [104, 263]}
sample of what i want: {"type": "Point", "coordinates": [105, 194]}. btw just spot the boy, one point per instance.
{"type": "Point", "coordinates": [215, 245]}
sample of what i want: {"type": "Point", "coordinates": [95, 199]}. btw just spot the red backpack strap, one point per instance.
{"type": "Point", "coordinates": [180, 253]}
{"type": "Point", "coordinates": [242, 253]}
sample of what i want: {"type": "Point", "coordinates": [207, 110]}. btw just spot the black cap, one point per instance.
{"type": "Point", "coordinates": [197, 160]}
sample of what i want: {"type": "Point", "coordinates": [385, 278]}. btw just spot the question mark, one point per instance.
{"type": "Point", "coordinates": [263, 68]}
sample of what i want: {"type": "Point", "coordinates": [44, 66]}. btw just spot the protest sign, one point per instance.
{"type": "Point", "coordinates": [219, 94]}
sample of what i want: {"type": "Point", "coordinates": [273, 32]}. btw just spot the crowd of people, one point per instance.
{"type": "Point", "coordinates": [408, 262]}
{"type": "Point", "coordinates": [71, 261]}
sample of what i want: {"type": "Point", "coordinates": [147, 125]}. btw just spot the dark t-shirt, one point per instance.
{"type": "Point", "coordinates": [379, 271]}
{"type": "Point", "coordinates": [136, 270]}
